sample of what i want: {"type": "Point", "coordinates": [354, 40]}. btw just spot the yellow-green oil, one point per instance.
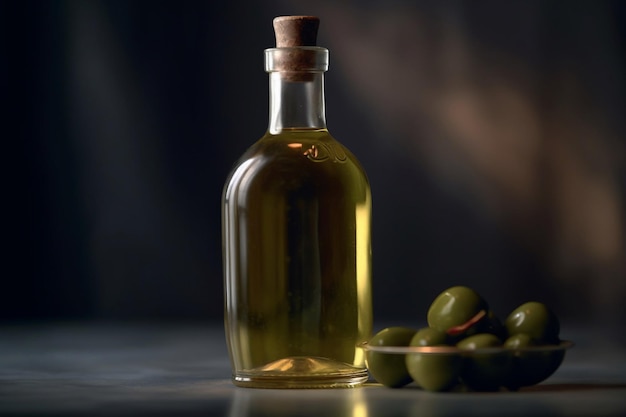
{"type": "Point", "coordinates": [297, 262]}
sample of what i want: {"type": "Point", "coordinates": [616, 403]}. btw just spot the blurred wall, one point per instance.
{"type": "Point", "coordinates": [492, 132]}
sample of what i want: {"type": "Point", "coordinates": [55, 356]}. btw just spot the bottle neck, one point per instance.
{"type": "Point", "coordinates": [296, 103]}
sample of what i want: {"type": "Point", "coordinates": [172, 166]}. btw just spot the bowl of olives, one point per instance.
{"type": "Point", "coordinates": [466, 347]}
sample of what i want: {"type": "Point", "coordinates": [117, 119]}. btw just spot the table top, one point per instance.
{"type": "Point", "coordinates": [174, 369]}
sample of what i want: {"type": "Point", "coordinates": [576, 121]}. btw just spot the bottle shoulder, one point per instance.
{"type": "Point", "coordinates": [295, 146]}
{"type": "Point", "coordinates": [299, 157]}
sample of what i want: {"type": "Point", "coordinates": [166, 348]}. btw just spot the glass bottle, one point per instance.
{"type": "Point", "coordinates": [296, 212]}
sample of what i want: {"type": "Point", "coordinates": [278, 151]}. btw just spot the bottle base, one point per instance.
{"type": "Point", "coordinates": [302, 373]}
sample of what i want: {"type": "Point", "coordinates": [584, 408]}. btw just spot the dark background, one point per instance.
{"type": "Point", "coordinates": [492, 132]}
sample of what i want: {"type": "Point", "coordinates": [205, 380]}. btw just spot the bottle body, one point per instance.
{"type": "Point", "coordinates": [297, 263]}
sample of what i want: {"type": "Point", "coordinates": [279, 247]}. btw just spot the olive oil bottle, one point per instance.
{"type": "Point", "coordinates": [296, 212]}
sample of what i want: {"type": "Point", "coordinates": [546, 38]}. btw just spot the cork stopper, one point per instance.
{"type": "Point", "coordinates": [296, 31]}
{"type": "Point", "coordinates": [296, 55]}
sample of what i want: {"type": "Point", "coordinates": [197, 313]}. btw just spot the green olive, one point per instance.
{"type": "Point", "coordinates": [428, 336]}
{"type": "Point", "coordinates": [530, 366]}
{"type": "Point", "coordinates": [519, 341]}
{"type": "Point", "coordinates": [485, 371]}
{"type": "Point", "coordinates": [433, 371]}
{"type": "Point", "coordinates": [479, 341]}
{"type": "Point", "coordinates": [387, 368]}
{"type": "Point", "coordinates": [455, 307]}
{"type": "Point", "coordinates": [536, 320]}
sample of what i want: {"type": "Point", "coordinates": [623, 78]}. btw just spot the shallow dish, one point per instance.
{"type": "Point", "coordinates": [481, 369]}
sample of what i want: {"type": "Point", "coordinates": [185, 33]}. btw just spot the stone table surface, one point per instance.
{"type": "Point", "coordinates": [174, 369]}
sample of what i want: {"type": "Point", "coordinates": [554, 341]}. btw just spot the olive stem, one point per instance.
{"type": "Point", "coordinates": [453, 331]}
